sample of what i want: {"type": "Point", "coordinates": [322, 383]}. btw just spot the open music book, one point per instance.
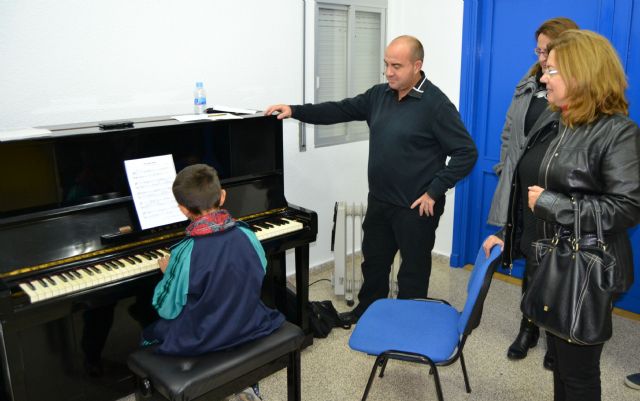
{"type": "Point", "coordinates": [150, 181]}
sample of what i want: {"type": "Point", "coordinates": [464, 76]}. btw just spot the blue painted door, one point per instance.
{"type": "Point", "coordinates": [498, 43]}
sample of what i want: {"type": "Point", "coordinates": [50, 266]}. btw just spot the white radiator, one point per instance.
{"type": "Point", "coordinates": [347, 255]}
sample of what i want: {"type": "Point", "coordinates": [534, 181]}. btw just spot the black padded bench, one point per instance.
{"type": "Point", "coordinates": [219, 374]}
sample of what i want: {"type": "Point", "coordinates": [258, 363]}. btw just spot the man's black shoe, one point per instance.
{"type": "Point", "coordinates": [348, 317]}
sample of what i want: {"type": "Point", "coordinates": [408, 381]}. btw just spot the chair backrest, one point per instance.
{"type": "Point", "coordinates": [477, 289]}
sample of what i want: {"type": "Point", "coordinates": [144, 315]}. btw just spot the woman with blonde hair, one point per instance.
{"type": "Point", "coordinates": [527, 113]}
{"type": "Point", "coordinates": [593, 157]}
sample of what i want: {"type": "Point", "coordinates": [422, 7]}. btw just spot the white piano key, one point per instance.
{"type": "Point", "coordinates": [270, 230]}
{"type": "Point", "coordinates": [30, 291]}
{"type": "Point", "coordinates": [43, 291]}
{"type": "Point", "coordinates": [63, 286]}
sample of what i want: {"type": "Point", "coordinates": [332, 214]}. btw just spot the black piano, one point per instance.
{"type": "Point", "coordinates": [75, 287]}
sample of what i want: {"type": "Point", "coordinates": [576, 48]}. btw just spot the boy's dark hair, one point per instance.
{"type": "Point", "coordinates": [197, 188]}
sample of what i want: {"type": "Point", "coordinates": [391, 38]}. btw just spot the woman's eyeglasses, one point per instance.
{"type": "Point", "coordinates": [540, 52]}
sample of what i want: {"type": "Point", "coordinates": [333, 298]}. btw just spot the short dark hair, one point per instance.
{"type": "Point", "coordinates": [417, 51]}
{"type": "Point", "coordinates": [552, 28]}
{"type": "Point", "coordinates": [197, 188]}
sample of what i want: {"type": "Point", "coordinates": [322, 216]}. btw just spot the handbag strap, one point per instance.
{"type": "Point", "coordinates": [576, 224]}
{"type": "Point", "coordinates": [597, 214]}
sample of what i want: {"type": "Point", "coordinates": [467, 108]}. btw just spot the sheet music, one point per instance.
{"type": "Point", "coordinates": [150, 181]}
{"type": "Point", "coordinates": [190, 117]}
{"type": "Point", "coordinates": [220, 107]}
{"type": "Point", "coordinates": [210, 116]}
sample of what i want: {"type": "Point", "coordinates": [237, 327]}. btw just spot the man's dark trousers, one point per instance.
{"type": "Point", "coordinates": [387, 229]}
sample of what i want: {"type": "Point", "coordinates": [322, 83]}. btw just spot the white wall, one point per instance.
{"type": "Point", "coordinates": [71, 61]}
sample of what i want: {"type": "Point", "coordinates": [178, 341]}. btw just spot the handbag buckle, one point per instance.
{"type": "Point", "coordinates": [602, 244]}
{"type": "Point", "coordinates": [575, 244]}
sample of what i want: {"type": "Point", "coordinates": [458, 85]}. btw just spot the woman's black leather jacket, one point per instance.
{"type": "Point", "coordinates": [592, 162]}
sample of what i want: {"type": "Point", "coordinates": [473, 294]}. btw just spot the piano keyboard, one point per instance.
{"type": "Point", "coordinates": [99, 274]}
{"type": "Point", "coordinates": [275, 227]}
{"type": "Point", "coordinates": [79, 279]}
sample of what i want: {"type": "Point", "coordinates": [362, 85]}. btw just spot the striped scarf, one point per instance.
{"type": "Point", "coordinates": [217, 221]}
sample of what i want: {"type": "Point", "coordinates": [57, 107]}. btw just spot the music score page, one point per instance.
{"type": "Point", "coordinates": [150, 181]}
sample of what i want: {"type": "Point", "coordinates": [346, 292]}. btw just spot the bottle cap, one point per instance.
{"type": "Point", "coordinates": [198, 84]}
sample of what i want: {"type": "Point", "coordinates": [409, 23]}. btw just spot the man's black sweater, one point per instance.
{"type": "Point", "coordinates": [409, 140]}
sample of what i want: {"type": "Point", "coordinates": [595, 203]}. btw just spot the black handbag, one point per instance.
{"type": "Point", "coordinates": [571, 291]}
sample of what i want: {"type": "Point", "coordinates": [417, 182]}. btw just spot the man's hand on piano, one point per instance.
{"type": "Point", "coordinates": [163, 263]}
{"type": "Point", "coordinates": [283, 110]}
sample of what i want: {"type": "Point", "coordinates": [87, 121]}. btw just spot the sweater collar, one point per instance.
{"type": "Point", "coordinates": [418, 89]}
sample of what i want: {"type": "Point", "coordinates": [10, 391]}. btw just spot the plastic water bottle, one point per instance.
{"type": "Point", "coordinates": [199, 99]}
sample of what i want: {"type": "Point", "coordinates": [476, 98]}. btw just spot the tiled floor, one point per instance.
{"type": "Point", "coordinates": [331, 371]}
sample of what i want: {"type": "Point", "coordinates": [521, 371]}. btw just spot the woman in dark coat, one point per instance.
{"type": "Point", "coordinates": [527, 112]}
{"type": "Point", "coordinates": [592, 153]}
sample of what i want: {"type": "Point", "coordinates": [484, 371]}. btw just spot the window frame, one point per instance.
{"type": "Point", "coordinates": [351, 7]}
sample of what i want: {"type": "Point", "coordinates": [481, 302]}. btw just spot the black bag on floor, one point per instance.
{"type": "Point", "coordinates": [323, 317]}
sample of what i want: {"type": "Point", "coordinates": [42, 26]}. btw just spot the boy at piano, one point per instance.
{"type": "Point", "coordinates": [209, 296]}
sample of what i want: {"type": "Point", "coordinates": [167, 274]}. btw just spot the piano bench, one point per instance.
{"type": "Point", "coordinates": [216, 375]}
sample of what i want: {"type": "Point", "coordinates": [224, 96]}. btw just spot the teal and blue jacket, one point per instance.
{"type": "Point", "coordinates": [209, 296]}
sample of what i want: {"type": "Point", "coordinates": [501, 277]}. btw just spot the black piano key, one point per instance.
{"type": "Point", "coordinates": [63, 277]}
{"type": "Point", "coordinates": [42, 282]}
{"type": "Point", "coordinates": [119, 263]}
{"type": "Point", "coordinates": [75, 273]}
{"type": "Point", "coordinates": [95, 269]}
{"type": "Point", "coordinates": [50, 280]}
{"type": "Point", "coordinates": [87, 271]}
{"type": "Point", "coordinates": [148, 257]}
{"type": "Point", "coordinates": [155, 254]}
{"type": "Point", "coordinates": [136, 259]}
{"type": "Point", "coordinates": [31, 286]}
{"type": "Point", "coordinates": [130, 260]}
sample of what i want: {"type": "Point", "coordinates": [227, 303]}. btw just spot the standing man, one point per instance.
{"type": "Point", "coordinates": [413, 128]}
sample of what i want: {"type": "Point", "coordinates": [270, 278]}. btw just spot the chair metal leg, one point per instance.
{"type": "Point", "coordinates": [464, 373]}
{"type": "Point", "coordinates": [294, 387]}
{"type": "Point", "coordinates": [436, 379]}
{"type": "Point", "coordinates": [384, 366]}
{"type": "Point", "coordinates": [378, 361]}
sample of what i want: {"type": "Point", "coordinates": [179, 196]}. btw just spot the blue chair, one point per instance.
{"type": "Point", "coordinates": [427, 331]}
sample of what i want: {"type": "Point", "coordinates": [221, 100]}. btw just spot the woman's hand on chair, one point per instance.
{"type": "Point", "coordinates": [490, 242]}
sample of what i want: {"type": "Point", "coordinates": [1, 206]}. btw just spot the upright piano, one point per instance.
{"type": "Point", "coordinates": [75, 288]}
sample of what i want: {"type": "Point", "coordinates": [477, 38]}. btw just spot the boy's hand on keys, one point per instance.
{"type": "Point", "coordinates": [163, 263]}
